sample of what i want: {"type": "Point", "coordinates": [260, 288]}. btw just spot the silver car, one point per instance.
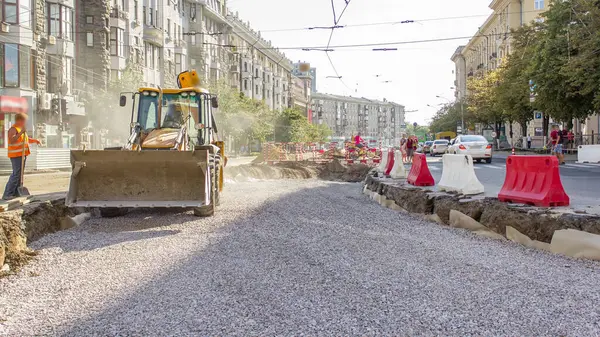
{"type": "Point", "coordinates": [476, 146]}
{"type": "Point", "coordinates": [438, 147]}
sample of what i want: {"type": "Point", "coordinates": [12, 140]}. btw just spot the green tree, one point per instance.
{"type": "Point", "coordinates": [558, 69]}
{"type": "Point", "coordinates": [448, 117]}
{"type": "Point", "coordinates": [482, 100]}
{"type": "Point", "coordinates": [512, 93]}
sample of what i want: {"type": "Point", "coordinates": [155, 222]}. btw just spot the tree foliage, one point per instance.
{"type": "Point", "coordinates": [247, 120]}
{"type": "Point", "coordinates": [560, 54]}
{"type": "Point", "coordinates": [449, 116]}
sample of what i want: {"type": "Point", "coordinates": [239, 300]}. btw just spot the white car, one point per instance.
{"type": "Point", "coordinates": [476, 146]}
{"type": "Point", "coordinates": [438, 147]}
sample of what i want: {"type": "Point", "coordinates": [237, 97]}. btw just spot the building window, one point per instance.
{"type": "Point", "coordinates": [135, 10]}
{"type": "Point", "coordinates": [10, 11]}
{"type": "Point", "coordinates": [90, 39]}
{"type": "Point", "coordinates": [538, 4]}
{"type": "Point", "coordinates": [256, 89]}
{"type": "Point", "coordinates": [168, 27]}
{"type": "Point", "coordinates": [245, 84]}
{"type": "Point", "coordinates": [89, 19]}
{"type": "Point", "coordinates": [145, 17]}
{"type": "Point", "coordinates": [24, 14]}
{"type": "Point", "coordinates": [116, 41]}
{"type": "Point", "coordinates": [11, 65]}
{"type": "Point", "coordinates": [246, 66]}
{"type": "Point", "coordinates": [178, 63]}
{"type": "Point", "coordinates": [17, 68]}
{"type": "Point", "coordinates": [60, 21]}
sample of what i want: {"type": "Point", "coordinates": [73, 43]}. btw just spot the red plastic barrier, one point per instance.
{"type": "Point", "coordinates": [390, 163]}
{"type": "Point", "coordinates": [533, 180]}
{"type": "Point", "coordinates": [419, 174]}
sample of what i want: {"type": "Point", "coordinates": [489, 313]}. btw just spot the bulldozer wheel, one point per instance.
{"type": "Point", "coordinates": [111, 212]}
{"type": "Point", "coordinates": [206, 211]}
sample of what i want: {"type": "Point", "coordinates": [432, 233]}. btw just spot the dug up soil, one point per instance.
{"type": "Point", "coordinates": [334, 171]}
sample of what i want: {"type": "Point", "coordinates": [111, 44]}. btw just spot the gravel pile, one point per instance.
{"type": "Point", "coordinates": [290, 258]}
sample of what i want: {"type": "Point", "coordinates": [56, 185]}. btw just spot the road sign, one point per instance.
{"type": "Point", "coordinates": [415, 124]}
{"type": "Point", "coordinates": [494, 134]}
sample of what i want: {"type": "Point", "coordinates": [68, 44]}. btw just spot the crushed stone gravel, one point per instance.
{"type": "Point", "coordinates": [302, 257]}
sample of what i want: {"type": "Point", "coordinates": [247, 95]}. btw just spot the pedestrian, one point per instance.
{"type": "Point", "coordinates": [528, 141]}
{"type": "Point", "coordinates": [403, 147]}
{"type": "Point", "coordinates": [17, 138]}
{"type": "Point", "coordinates": [409, 149]}
{"type": "Point", "coordinates": [555, 137]}
{"type": "Point", "coordinates": [564, 139]}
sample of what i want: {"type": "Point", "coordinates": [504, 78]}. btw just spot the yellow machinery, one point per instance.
{"type": "Point", "coordinates": [171, 159]}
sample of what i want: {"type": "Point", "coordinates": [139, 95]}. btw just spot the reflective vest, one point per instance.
{"type": "Point", "coordinates": [16, 149]}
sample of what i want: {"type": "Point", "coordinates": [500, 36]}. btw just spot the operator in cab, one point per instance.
{"type": "Point", "coordinates": [174, 117]}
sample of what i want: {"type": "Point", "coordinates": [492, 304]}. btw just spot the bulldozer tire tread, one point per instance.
{"type": "Point", "coordinates": [204, 211]}
{"type": "Point", "coordinates": [112, 212]}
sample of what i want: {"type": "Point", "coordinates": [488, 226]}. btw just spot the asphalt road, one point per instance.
{"type": "Point", "coordinates": [581, 181]}
{"type": "Point", "coordinates": [293, 258]}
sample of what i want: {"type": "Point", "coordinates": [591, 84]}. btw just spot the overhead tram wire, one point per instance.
{"type": "Point", "coordinates": [336, 20]}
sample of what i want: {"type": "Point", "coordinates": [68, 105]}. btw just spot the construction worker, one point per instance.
{"type": "Point", "coordinates": [17, 137]}
{"type": "Point", "coordinates": [358, 141]}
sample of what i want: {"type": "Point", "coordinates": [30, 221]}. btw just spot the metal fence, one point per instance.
{"type": "Point", "coordinates": [40, 159]}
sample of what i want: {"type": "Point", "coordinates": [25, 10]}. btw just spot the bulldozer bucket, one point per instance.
{"type": "Point", "coordinates": [139, 179]}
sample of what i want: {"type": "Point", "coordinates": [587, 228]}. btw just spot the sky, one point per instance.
{"type": "Point", "coordinates": [418, 71]}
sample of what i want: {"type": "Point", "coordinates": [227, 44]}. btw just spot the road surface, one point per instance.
{"type": "Point", "coordinates": [302, 257]}
{"type": "Point", "coordinates": [580, 181]}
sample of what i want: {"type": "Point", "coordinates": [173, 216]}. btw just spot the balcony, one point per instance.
{"type": "Point", "coordinates": [154, 35]}
{"type": "Point", "coordinates": [118, 13]}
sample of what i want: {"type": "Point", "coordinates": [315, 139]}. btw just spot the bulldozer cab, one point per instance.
{"type": "Point", "coordinates": [188, 108]}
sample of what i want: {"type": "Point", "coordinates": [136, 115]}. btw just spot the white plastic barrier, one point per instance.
{"type": "Point", "coordinates": [398, 170]}
{"type": "Point", "coordinates": [384, 161]}
{"type": "Point", "coordinates": [588, 154]}
{"type": "Point", "coordinates": [459, 175]}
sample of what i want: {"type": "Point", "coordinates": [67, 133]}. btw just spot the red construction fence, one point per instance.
{"type": "Point", "coordinates": [273, 152]}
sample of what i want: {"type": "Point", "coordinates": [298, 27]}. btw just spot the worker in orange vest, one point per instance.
{"type": "Point", "coordinates": [16, 138]}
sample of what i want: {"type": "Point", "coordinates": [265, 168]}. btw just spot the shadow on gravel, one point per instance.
{"type": "Point", "coordinates": [137, 225]}
{"type": "Point", "coordinates": [326, 261]}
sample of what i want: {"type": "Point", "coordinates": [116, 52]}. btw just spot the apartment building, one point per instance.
{"type": "Point", "coordinates": [346, 116]}
{"type": "Point", "coordinates": [261, 71]}
{"type": "Point", "coordinates": [491, 43]}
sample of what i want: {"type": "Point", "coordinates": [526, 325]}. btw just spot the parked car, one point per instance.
{"type": "Point", "coordinates": [427, 146]}
{"type": "Point", "coordinates": [476, 146]}
{"type": "Point", "coordinates": [438, 147]}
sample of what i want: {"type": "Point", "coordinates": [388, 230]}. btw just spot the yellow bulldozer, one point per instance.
{"type": "Point", "coordinates": [172, 158]}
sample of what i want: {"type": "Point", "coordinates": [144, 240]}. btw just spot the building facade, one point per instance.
{"type": "Point", "coordinates": [260, 71]}
{"type": "Point", "coordinates": [68, 51]}
{"type": "Point", "coordinates": [488, 47]}
{"type": "Point", "coordinates": [346, 116]}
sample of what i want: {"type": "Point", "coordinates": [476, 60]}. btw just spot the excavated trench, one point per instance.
{"type": "Point", "coordinates": [537, 223]}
